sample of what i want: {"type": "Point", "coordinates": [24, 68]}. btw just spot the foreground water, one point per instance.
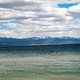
{"type": "Point", "coordinates": [52, 62]}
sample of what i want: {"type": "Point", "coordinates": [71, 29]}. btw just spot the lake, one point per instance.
{"type": "Point", "coordinates": [40, 62]}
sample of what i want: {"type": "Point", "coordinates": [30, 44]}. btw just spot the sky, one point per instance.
{"type": "Point", "coordinates": [38, 18]}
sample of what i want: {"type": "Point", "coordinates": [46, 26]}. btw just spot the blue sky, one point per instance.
{"type": "Point", "coordinates": [67, 5]}
{"type": "Point", "coordinates": [28, 18]}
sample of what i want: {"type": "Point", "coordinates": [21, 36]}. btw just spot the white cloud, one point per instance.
{"type": "Point", "coordinates": [39, 18]}
{"type": "Point", "coordinates": [74, 10]}
{"type": "Point", "coordinates": [7, 33]}
{"type": "Point", "coordinates": [11, 25]}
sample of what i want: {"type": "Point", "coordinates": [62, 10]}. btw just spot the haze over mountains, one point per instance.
{"type": "Point", "coordinates": [47, 40]}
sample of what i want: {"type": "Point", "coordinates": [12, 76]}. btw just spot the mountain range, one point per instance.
{"type": "Point", "coordinates": [47, 40]}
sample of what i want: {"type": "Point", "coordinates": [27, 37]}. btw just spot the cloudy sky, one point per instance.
{"type": "Point", "coordinates": [27, 18]}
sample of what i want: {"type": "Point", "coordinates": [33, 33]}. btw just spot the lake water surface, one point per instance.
{"type": "Point", "coordinates": [46, 62]}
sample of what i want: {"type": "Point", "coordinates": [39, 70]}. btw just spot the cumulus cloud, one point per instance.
{"type": "Point", "coordinates": [74, 10]}
{"type": "Point", "coordinates": [8, 33]}
{"type": "Point", "coordinates": [39, 18]}
{"type": "Point", "coordinates": [19, 5]}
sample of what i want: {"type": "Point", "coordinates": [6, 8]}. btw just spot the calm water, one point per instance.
{"type": "Point", "coordinates": [52, 62]}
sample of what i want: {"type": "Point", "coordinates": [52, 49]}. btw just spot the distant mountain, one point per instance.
{"type": "Point", "coordinates": [47, 40]}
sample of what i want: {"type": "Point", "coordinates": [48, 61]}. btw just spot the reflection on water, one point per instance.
{"type": "Point", "coordinates": [57, 62]}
